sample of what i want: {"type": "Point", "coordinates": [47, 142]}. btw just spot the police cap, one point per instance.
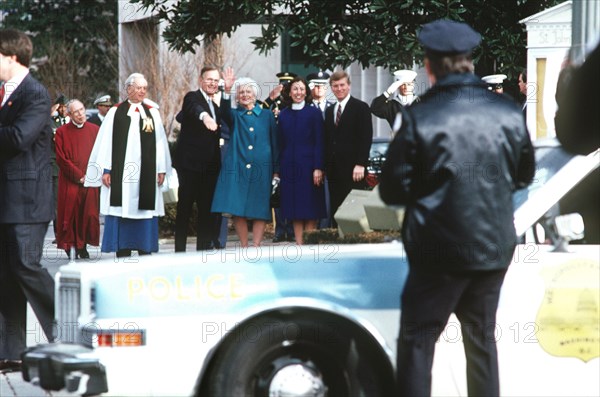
{"type": "Point", "coordinates": [448, 37]}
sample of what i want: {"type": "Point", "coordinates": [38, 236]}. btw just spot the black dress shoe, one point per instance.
{"type": "Point", "coordinates": [83, 253]}
{"type": "Point", "coordinates": [142, 252]}
{"type": "Point", "coordinates": [10, 365]}
{"type": "Point", "coordinates": [279, 239]}
{"type": "Point", "coordinates": [122, 253]}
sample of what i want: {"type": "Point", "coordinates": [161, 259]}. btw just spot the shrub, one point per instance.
{"type": "Point", "coordinates": [331, 236]}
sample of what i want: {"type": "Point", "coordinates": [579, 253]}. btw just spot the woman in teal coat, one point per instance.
{"type": "Point", "coordinates": [244, 187]}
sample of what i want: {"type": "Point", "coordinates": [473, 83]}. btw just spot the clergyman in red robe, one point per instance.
{"type": "Point", "coordinates": [78, 218]}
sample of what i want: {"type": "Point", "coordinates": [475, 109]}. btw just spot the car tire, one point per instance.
{"type": "Point", "coordinates": [261, 353]}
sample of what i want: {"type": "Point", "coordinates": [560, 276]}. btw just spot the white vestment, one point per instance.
{"type": "Point", "coordinates": [101, 159]}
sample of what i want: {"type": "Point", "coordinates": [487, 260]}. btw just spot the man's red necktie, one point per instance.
{"type": "Point", "coordinates": [1, 94]}
{"type": "Point", "coordinates": [338, 115]}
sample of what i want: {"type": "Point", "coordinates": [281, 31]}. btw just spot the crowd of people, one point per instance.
{"type": "Point", "coordinates": [231, 150]}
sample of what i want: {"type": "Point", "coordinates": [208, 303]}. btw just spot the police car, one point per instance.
{"type": "Point", "coordinates": [323, 320]}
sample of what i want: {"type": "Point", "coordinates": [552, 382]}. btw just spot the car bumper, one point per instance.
{"type": "Point", "coordinates": [58, 366]}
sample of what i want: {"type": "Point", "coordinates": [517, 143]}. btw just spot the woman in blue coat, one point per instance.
{"type": "Point", "coordinates": [244, 187]}
{"type": "Point", "coordinates": [301, 157]}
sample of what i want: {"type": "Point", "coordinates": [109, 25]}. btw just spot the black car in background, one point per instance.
{"type": "Point", "coordinates": [377, 154]}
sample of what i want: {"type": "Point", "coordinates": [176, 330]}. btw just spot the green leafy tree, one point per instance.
{"type": "Point", "coordinates": [340, 32]}
{"type": "Point", "coordinates": [75, 43]}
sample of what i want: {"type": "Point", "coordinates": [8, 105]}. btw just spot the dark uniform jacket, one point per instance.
{"type": "Point", "coordinates": [95, 119]}
{"type": "Point", "coordinates": [387, 108]}
{"type": "Point", "coordinates": [197, 147]}
{"type": "Point", "coordinates": [25, 170]}
{"type": "Point", "coordinates": [458, 157]}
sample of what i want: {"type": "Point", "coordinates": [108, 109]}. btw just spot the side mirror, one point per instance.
{"type": "Point", "coordinates": [567, 227]}
{"type": "Point", "coordinates": [570, 226]}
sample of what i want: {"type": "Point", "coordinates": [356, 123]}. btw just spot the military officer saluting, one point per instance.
{"type": "Point", "coordinates": [400, 93]}
{"type": "Point", "coordinates": [59, 112]}
{"type": "Point", "coordinates": [276, 100]}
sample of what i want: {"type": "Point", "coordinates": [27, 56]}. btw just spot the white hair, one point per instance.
{"type": "Point", "coordinates": [245, 81]}
{"type": "Point", "coordinates": [71, 102]}
{"type": "Point", "coordinates": [132, 77]}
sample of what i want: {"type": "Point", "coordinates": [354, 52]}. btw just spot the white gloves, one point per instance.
{"type": "Point", "coordinates": [392, 88]}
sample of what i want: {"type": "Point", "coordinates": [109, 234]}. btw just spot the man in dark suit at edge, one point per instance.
{"type": "Point", "coordinates": [198, 162]}
{"type": "Point", "coordinates": [348, 138]}
{"type": "Point", "coordinates": [26, 204]}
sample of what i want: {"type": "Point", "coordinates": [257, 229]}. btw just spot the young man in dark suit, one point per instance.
{"type": "Point", "coordinates": [198, 162]}
{"type": "Point", "coordinates": [348, 138]}
{"type": "Point", "coordinates": [26, 204]}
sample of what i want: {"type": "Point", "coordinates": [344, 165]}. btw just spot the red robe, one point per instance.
{"type": "Point", "coordinates": [78, 218]}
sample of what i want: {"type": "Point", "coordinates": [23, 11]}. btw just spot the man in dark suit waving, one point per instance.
{"type": "Point", "coordinates": [198, 162]}
{"type": "Point", "coordinates": [348, 137]}
{"type": "Point", "coordinates": [26, 204]}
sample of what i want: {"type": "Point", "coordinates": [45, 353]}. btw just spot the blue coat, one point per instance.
{"type": "Point", "coordinates": [244, 185]}
{"type": "Point", "coordinates": [301, 146]}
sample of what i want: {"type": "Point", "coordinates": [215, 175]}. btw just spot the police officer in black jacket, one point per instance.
{"type": "Point", "coordinates": [459, 155]}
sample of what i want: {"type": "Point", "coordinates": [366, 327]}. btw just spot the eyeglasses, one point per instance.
{"type": "Point", "coordinates": [211, 81]}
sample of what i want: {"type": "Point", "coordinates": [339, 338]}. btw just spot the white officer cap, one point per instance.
{"type": "Point", "coordinates": [103, 100]}
{"type": "Point", "coordinates": [494, 79]}
{"type": "Point", "coordinates": [405, 76]}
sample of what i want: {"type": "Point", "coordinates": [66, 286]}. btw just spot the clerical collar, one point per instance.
{"type": "Point", "coordinates": [78, 125]}
{"type": "Point", "coordinates": [139, 108]}
{"type": "Point", "coordinates": [297, 106]}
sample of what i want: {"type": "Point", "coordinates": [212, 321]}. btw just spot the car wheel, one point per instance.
{"type": "Point", "coordinates": [295, 357]}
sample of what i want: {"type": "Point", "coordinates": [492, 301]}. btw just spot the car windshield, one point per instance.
{"type": "Point", "coordinates": [559, 179]}
{"type": "Point", "coordinates": [549, 160]}
{"type": "Point", "coordinates": [378, 149]}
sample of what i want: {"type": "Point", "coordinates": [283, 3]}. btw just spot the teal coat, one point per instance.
{"type": "Point", "coordinates": [244, 185]}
